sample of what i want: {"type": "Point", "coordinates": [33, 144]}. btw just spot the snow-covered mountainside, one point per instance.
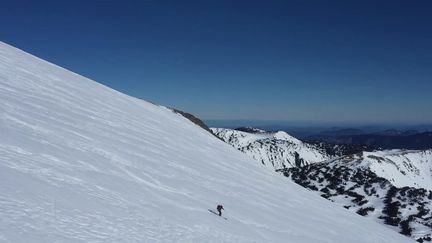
{"type": "Point", "coordinates": [276, 150]}
{"type": "Point", "coordinates": [382, 185]}
{"type": "Point", "coordinates": [80, 162]}
{"type": "Point", "coordinates": [411, 168]}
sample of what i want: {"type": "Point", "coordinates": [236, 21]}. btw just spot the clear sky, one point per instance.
{"type": "Point", "coordinates": [321, 61]}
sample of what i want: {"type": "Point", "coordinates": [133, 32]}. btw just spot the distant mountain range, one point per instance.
{"type": "Point", "coordinates": [386, 139]}
{"type": "Point", "coordinates": [281, 150]}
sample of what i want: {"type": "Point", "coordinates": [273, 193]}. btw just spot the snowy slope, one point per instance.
{"type": "Point", "coordinates": [276, 150]}
{"type": "Point", "coordinates": [401, 167]}
{"type": "Point", "coordinates": [80, 162]}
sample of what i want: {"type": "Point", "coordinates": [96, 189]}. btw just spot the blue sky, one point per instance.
{"type": "Point", "coordinates": [340, 62]}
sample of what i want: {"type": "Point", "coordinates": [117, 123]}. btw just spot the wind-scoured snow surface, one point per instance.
{"type": "Point", "coordinates": [80, 162]}
{"type": "Point", "coordinates": [275, 150]}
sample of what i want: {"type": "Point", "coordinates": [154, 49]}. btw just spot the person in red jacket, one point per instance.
{"type": "Point", "coordinates": [219, 209]}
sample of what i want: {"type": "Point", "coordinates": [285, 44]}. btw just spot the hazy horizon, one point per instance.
{"type": "Point", "coordinates": [233, 123]}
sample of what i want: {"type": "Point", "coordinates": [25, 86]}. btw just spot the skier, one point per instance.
{"type": "Point", "coordinates": [219, 209]}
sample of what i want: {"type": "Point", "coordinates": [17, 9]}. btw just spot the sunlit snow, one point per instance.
{"type": "Point", "coordinates": [80, 162]}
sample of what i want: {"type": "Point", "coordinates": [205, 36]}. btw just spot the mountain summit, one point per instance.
{"type": "Point", "coordinates": [80, 162]}
{"type": "Point", "coordinates": [275, 150]}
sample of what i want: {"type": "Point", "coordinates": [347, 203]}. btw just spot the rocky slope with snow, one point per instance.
{"type": "Point", "coordinates": [275, 150]}
{"type": "Point", "coordinates": [391, 187]}
{"type": "Point", "coordinates": [411, 168]}
{"type": "Point", "coordinates": [80, 162]}
{"type": "Point", "coordinates": [338, 150]}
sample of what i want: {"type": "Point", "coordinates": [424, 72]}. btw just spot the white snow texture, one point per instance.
{"type": "Point", "coordinates": [275, 150]}
{"type": "Point", "coordinates": [412, 168]}
{"type": "Point", "coordinates": [80, 162]}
